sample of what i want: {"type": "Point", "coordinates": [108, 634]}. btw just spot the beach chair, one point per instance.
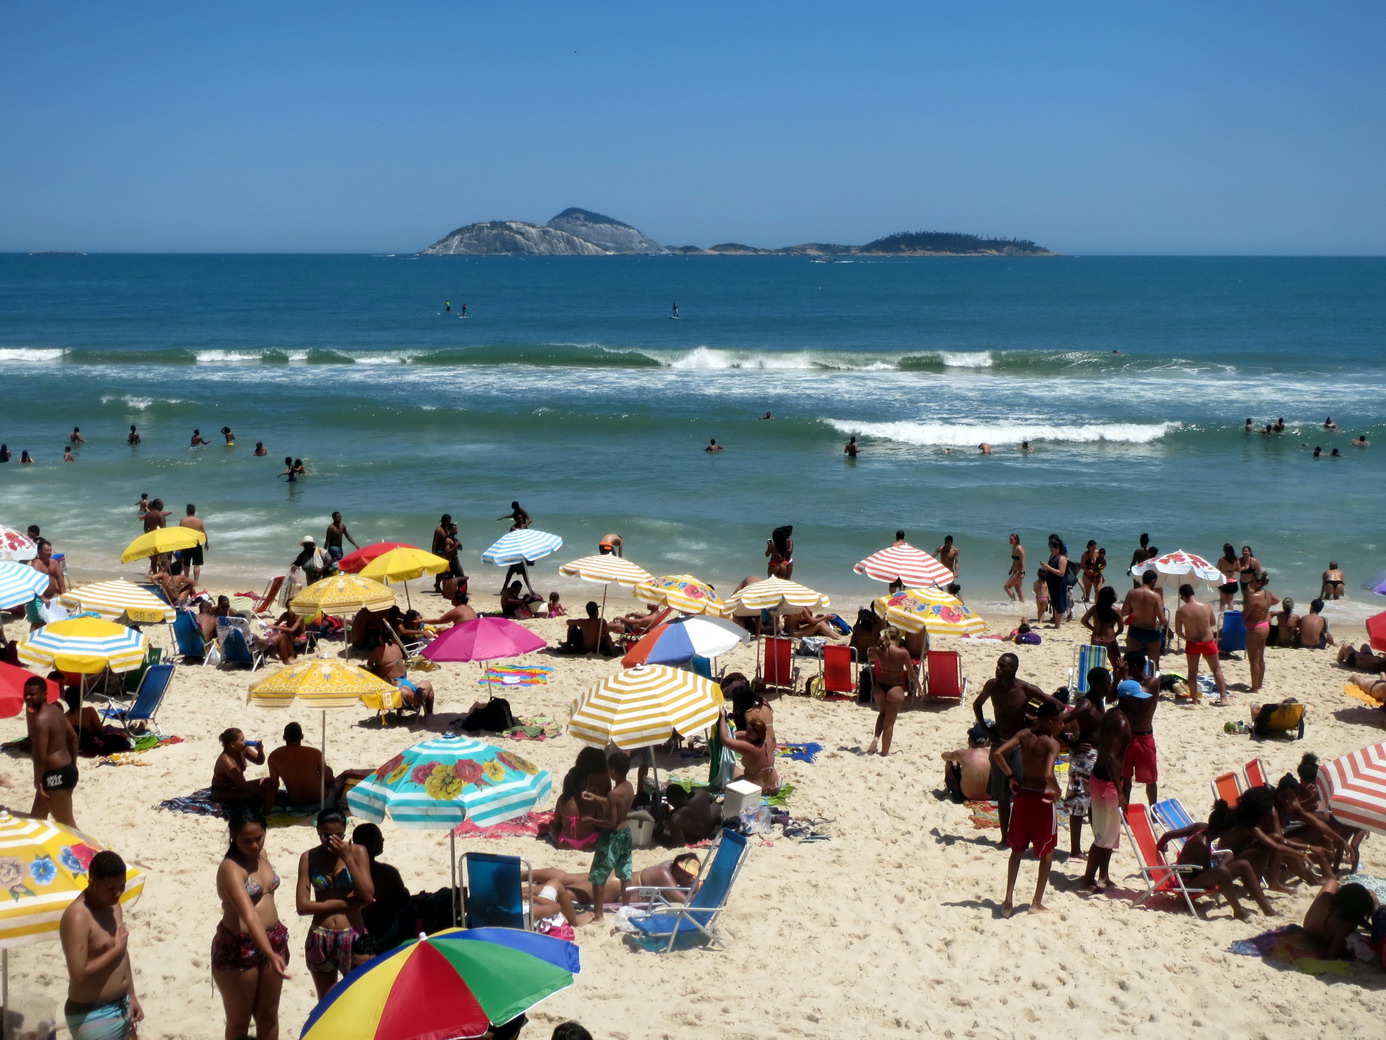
{"type": "Point", "coordinates": [155, 590]}
{"type": "Point", "coordinates": [1086, 657]}
{"type": "Point", "coordinates": [1273, 719]}
{"type": "Point", "coordinates": [237, 649]}
{"type": "Point", "coordinates": [1161, 878]}
{"type": "Point", "coordinates": [264, 606]}
{"type": "Point", "coordinates": [698, 919]}
{"type": "Point", "coordinates": [493, 892]}
{"type": "Point", "coordinates": [1228, 787]}
{"type": "Point", "coordinates": [133, 679]}
{"type": "Point", "coordinates": [945, 677]}
{"type": "Point", "coordinates": [1256, 774]}
{"type": "Point", "coordinates": [139, 716]}
{"type": "Point", "coordinates": [778, 669]}
{"type": "Point", "coordinates": [837, 670]}
{"type": "Point", "coordinates": [187, 637]}
{"type": "Point", "coordinates": [1171, 815]}
{"type": "Point", "coordinates": [700, 666]}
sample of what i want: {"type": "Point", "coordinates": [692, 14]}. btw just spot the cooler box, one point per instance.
{"type": "Point", "coordinates": [642, 827]}
{"type": "Point", "coordinates": [1233, 635]}
{"type": "Point", "coordinates": [740, 795]}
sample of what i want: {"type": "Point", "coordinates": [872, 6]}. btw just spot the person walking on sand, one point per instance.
{"type": "Point", "coordinates": [1256, 605]}
{"type": "Point", "coordinates": [893, 678]}
{"type": "Point", "coordinates": [1145, 608]}
{"type": "Point", "coordinates": [332, 541]}
{"type": "Point", "coordinates": [1034, 821]}
{"type": "Point", "coordinates": [1015, 579]}
{"type": "Point", "coordinates": [1055, 574]}
{"type": "Point", "coordinates": [1084, 720]}
{"type": "Point", "coordinates": [1196, 624]}
{"type": "Point", "coordinates": [518, 517]}
{"type": "Point", "coordinates": [53, 744]}
{"type": "Point", "coordinates": [947, 554]}
{"type": "Point", "coordinates": [101, 1001]}
{"type": "Point", "coordinates": [192, 558]}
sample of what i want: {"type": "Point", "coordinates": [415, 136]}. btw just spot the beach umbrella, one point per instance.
{"type": "Point", "coordinates": [774, 594]}
{"type": "Point", "coordinates": [605, 569]}
{"type": "Point", "coordinates": [932, 609]}
{"type": "Point", "coordinates": [16, 547]}
{"type": "Point", "coordinates": [353, 561]}
{"type": "Point", "coordinates": [404, 563]}
{"type": "Point", "coordinates": [12, 680]}
{"type": "Point", "coordinates": [644, 706]}
{"type": "Point", "coordinates": [1376, 630]}
{"type": "Point", "coordinates": [323, 683]}
{"type": "Point", "coordinates": [683, 592]}
{"type": "Point", "coordinates": [524, 546]}
{"type": "Point", "coordinates": [483, 639]}
{"type": "Point", "coordinates": [1354, 788]}
{"type": "Point", "coordinates": [342, 594]}
{"type": "Point", "coordinates": [162, 540]}
{"type": "Point", "coordinates": [1377, 584]}
{"type": "Point", "coordinates": [19, 583]}
{"type": "Point", "coordinates": [84, 644]}
{"type": "Point", "coordinates": [903, 563]}
{"type": "Point", "coordinates": [1180, 563]}
{"type": "Point", "coordinates": [113, 599]}
{"type": "Point", "coordinates": [676, 642]}
{"type": "Point", "coordinates": [43, 867]}
{"type": "Point", "coordinates": [455, 983]}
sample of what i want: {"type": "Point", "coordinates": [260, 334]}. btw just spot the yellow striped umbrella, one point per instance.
{"type": "Point", "coordinates": [933, 609]}
{"type": "Point", "coordinates": [161, 540]}
{"type": "Point", "coordinates": [644, 706]}
{"type": "Point", "coordinates": [774, 594]}
{"type": "Point", "coordinates": [43, 868]}
{"type": "Point", "coordinates": [403, 563]}
{"type": "Point", "coordinates": [86, 645]}
{"type": "Point", "coordinates": [684, 593]}
{"type": "Point", "coordinates": [114, 598]}
{"type": "Point", "coordinates": [342, 594]}
{"type": "Point", "coordinates": [323, 682]}
{"type": "Point", "coordinates": [606, 569]}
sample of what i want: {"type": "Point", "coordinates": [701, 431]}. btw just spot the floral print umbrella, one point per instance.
{"type": "Point", "coordinates": [932, 609]}
{"type": "Point", "coordinates": [684, 593]}
{"type": "Point", "coordinates": [440, 783]}
{"type": "Point", "coordinates": [15, 546]}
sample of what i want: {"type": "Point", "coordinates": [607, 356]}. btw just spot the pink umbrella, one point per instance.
{"type": "Point", "coordinates": [904, 563]}
{"type": "Point", "coordinates": [483, 639]}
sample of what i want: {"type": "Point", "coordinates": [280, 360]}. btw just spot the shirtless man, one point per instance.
{"type": "Point", "coordinates": [192, 558]}
{"type": "Point", "coordinates": [1196, 624]}
{"type": "Point", "coordinates": [1142, 760]}
{"type": "Point", "coordinates": [1082, 725]}
{"type": "Point", "coordinates": [611, 544]}
{"type": "Point", "coordinates": [155, 516]}
{"type": "Point", "coordinates": [1313, 629]}
{"type": "Point", "coordinates": [459, 612]}
{"type": "Point", "coordinates": [302, 770]}
{"type": "Point", "coordinates": [947, 554]}
{"type": "Point", "coordinates": [984, 448]}
{"type": "Point", "coordinates": [850, 449]}
{"type": "Point", "coordinates": [518, 517]}
{"type": "Point", "coordinates": [1113, 739]}
{"type": "Point", "coordinates": [1035, 821]}
{"type": "Point", "coordinates": [516, 604]}
{"type": "Point", "coordinates": [969, 769]}
{"type": "Point", "coordinates": [54, 746]}
{"type": "Point", "coordinates": [101, 999]}
{"type": "Point", "coordinates": [1332, 582]}
{"type": "Point", "coordinates": [1009, 696]}
{"type": "Point", "coordinates": [1146, 609]}
{"type": "Point", "coordinates": [177, 586]}
{"type": "Point", "coordinates": [45, 564]}
{"type": "Point", "coordinates": [332, 541]}
{"type": "Point", "coordinates": [133, 437]}
{"type": "Point", "coordinates": [692, 817]}
{"type": "Point", "coordinates": [588, 635]}
{"type": "Point", "coordinates": [713, 447]}
{"type": "Point", "coordinates": [387, 662]}
{"type": "Point", "coordinates": [197, 439]}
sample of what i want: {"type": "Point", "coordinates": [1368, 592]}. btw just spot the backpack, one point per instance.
{"type": "Point", "coordinates": [493, 716]}
{"type": "Point", "coordinates": [1072, 574]}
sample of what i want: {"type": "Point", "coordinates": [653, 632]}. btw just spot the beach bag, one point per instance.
{"type": "Point", "coordinates": [722, 767]}
{"type": "Point", "coordinates": [1071, 575]}
{"type": "Point", "coordinates": [812, 646]}
{"type": "Point", "coordinates": [493, 716]}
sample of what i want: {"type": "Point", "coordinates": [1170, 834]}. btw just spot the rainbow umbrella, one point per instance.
{"type": "Point", "coordinates": [932, 609]}
{"type": "Point", "coordinates": [913, 568]}
{"type": "Point", "coordinates": [84, 644]}
{"type": "Point", "coordinates": [683, 592]}
{"type": "Point", "coordinates": [676, 642]}
{"type": "Point", "coordinates": [19, 583]}
{"type": "Point", "coordinates": [16, 547]}
{"type": "Point", "coordinates": [452, 984]}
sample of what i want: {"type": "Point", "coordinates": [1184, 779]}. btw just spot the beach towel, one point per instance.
{"type": "Point", "coordinates": [538, 727]}
{"type": "Point", "coordinates": [798, 752]}
{"type": "Point", "coordinates": [145, 742]}
{"type": "Point", "coordinates": [986, 816]}
{"type": "Point", "coordinates": [1289, 945]}
{"type": "Point", "coordinates": [200, 803]}
{"type": "Point", "coordinates": [533, 824]}
{"type": "Point", "coordinates": [514, 675]}
{"type": "Point", "coordinates": [1357, 693]}
{"type": "Point", "coordinates": [780, 797]}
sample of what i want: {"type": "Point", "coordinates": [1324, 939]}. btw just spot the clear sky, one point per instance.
{"type": "Point", "coordinates": [1176, 127]}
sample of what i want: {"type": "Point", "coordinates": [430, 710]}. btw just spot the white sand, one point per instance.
{"type": "Point", "coordinates": [889, 929]}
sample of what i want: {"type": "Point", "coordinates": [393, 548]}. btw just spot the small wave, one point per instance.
{"type": "Point", "coordinates": [955, 435]}
{"type": "Point", "coordinates": [713, 359]}
{"type": "Point", "coordinates": [139, 403]}
{"type": "Point", "coordinates": [31, 354]}
{"type": "Point", "coordinates": [966, 359]}
{"type": "Point", "coordinates": [223, 357]}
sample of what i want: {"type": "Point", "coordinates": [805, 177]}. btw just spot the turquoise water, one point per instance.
{"type": "Point", "coordinates": [571, 390]}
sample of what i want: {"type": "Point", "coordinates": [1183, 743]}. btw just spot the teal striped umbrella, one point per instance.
{"type": "Point", "coordinates": [19, 583]}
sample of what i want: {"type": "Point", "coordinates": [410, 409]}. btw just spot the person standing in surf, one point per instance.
{"type": "Point", "coordinates": [676, 310]}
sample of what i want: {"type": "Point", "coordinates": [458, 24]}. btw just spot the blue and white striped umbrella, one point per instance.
{"type": "Point", "coordinates": [83, 644]}
{"type": "Point", "coordinates": [19, 583]}
{"type": "Point", "coordinates": [528, 545]}
{"type": "Point", "coordinates": [442, 782]}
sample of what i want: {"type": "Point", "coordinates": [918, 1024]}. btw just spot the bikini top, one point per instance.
{"type": "Point", "coordinates": [255, 890]}
{"type": "Point", "coordinates": [340, 881]}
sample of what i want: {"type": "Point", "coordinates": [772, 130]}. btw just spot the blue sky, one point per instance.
{"type": "Point", "coordinates": [359, 127]}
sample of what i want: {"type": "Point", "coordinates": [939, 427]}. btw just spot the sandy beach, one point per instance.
{"type": "Point", "coordinates": [890, 928]}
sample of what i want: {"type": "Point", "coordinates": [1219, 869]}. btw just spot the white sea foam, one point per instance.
{"type": "Point", "coordinates": [712, 359]}
{"type": "Point", "coordinates": [31, 354]}
{"type": "Point", "coordinates": [140, 403]}
{"type": "Point", "coordinates": [948, 434]}
{"type": "Point", "coordinates": [967, 359]}
{"type": "Point", "coordinates": [215, 357]}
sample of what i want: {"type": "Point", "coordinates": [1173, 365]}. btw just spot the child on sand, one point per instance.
{"type": "Point", "coordinates": [1041, 590]}
{"type": "Point", "coordinates": [555, 607]}
{"type": "Point", "coordinates": [613, 846]}
{"type": "Point", "coordinates": [1034, 820]}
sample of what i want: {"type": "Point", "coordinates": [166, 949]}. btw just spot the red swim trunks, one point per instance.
{"type": "Point", "coordinates": [1034, 821]}
{"type": "Point", "coordinates": [1208, 649]}
{"type": "Point", "coordinates": [1140, 759]}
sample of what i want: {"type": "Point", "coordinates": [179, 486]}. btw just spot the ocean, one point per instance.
{"type": "Point", "coordinates": [570, 389]}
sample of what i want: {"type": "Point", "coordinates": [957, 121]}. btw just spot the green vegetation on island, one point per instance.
{"type": "Point", "coordinates": [950, 242]}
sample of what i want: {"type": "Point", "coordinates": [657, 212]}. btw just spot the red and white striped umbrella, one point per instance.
{"type": "Point", "coordinates": [1354, 788]}
{"type": "Point", "coordinates": [904, 563]}
{"type": "Point", "coordinates": [1180, 562]}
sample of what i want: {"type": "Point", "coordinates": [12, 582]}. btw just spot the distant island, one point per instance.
{"type": "Point", "coordinates": [580, 232]}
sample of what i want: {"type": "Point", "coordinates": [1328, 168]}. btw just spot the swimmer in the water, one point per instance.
{"type": "Point", "coordinates": [713, 446]}
{"type": "Point", "coordinates": [767, 415]}
{"type": "Point", "coordinates": [230, 437]}
{"type": "Point", "coordinates": [984, 448]}
{"type": "Point", "coordinates": [1360, 442]}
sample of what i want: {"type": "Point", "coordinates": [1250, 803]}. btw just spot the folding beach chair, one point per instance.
{"type": "Point", "coordinates": [187, 637]}
{"type": "Point", "coordinates": [946, 682]}
{"type": "Point", "coordinates": [133, 679]}
{"type": "Point", "coordinates": [837, 668]}
{"type": "Point", "coordinates": [1171, 815]}
{"type": "Point", "coordinates": [1085, 659]}
{"type": "Point", "coordinates": [1256, 774]}
{"type": "Point", "coordinates": [237, 650]}
{"type": "Point", "coordinates": [1275, 719]}
{"type": "Point", "coordinates": [700, 666]}
{"type": "Point", "coordinates": [1161, 878]}
{"type": "Point", "coordinates": [493, 894]}
{"type": "Point", "coordinates": [1228, 787]}
{"type": "Point", "coordinates": [264, 606]}
{"type": "Point", "coordinates": [698, 919]}
{"type": "Point", "coordinates": [778, 671]}
{"type": "Point", "coordinates": [150, 695]}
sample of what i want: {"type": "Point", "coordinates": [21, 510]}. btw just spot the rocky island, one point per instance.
{"type": "Point", "coordinates": [580, 232]}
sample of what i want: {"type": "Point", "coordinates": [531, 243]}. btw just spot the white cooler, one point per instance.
{"type": "Point", "coordinates": [740, 796]}
{"type": "Point", "coordinates": [642, 826]}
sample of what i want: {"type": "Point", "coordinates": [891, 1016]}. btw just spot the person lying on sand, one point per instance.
{"type": "Point", "coordinates": [1337, 913]}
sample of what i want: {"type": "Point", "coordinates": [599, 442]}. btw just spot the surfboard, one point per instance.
{"type": "Point", "coordinates": [673, 317]}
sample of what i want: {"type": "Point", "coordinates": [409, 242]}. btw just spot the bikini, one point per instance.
{"type": "Point", "coordinates": [328, 950]}
{"type": "Point", "coordinates": [236, 951]}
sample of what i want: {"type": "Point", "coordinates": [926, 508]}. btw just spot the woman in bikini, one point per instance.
{"type": "Point", "coordinates": [250, 949]}
{"type": "Point", "coordinates": [229, 785]}
{"type": "Point", "coordinates": [1332, 582]}
{"type": "Point", "coordinates": [1247, 566]}
{"type": "Point", "coordinates": [569, 829]}
{"type": "Point", "coordinates": [1256, 606]}
{"type": "Point", "coordinates": [334, 883]}
{"type": "Point", "coordinates": [1103, 620]}
{"type": "Point", "coordinates": [757, 754]}
{"type": "Point", "coordinates": [780, 550]}
{"type": "Point", "coordinates": [1230, 568]}
{"type": "Point", "coordinates": [893, 678]}
{"type": "Point", "coordinates": [1015, 580]}
{"type": "Point", "coordinates": [1093, 563]}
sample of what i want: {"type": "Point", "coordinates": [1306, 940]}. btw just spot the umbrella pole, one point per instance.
{"type": "Point", "coordinates": [5, 980]}
{"type": "Point", "coordinates": [322, 773]}
{"type": "Point", "coordinates": [452, 863]}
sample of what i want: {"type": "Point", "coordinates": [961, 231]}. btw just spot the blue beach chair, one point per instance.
{"type": "Point", "coordinates": [187, 637]}
{"type": "Point", "coordinates": [494, 891]}
{"type": "Point", "coordinates": [1085, 660]}
{"type": "Point", "coordinates": [697, 920]}
{"type": "Point", "coordinates": [148, 698]}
